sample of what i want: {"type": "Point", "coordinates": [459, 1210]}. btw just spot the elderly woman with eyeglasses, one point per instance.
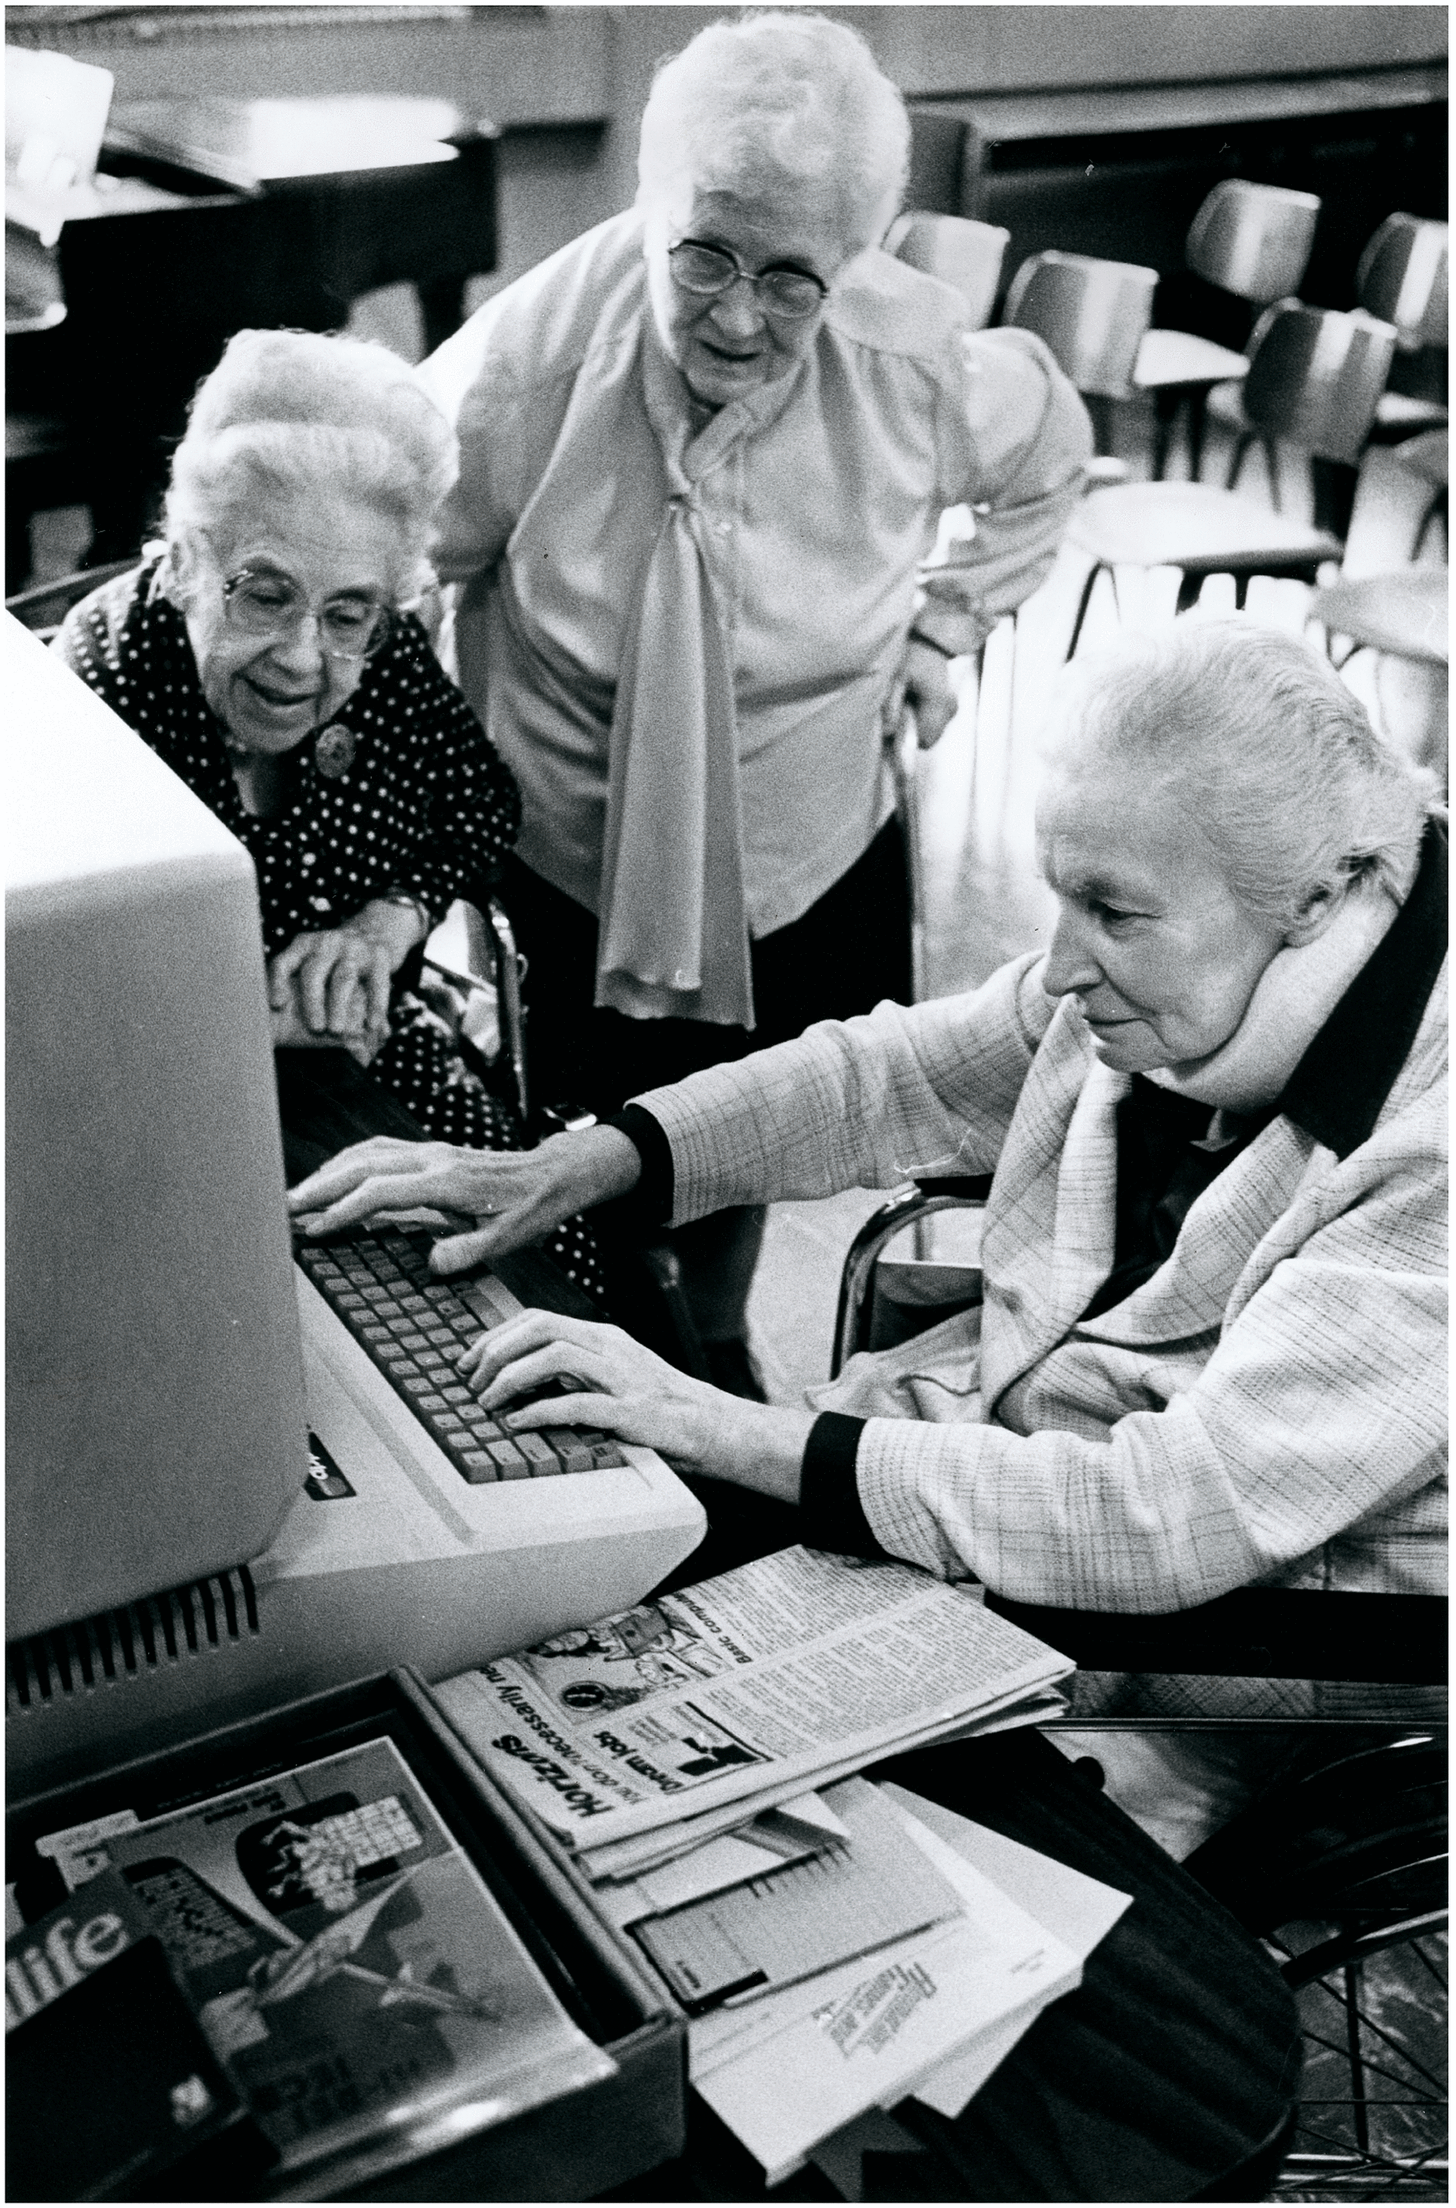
{"type": "Point", "coordinates": [267, 652]}
{"type": "Point", "coordinates": [705, 453]}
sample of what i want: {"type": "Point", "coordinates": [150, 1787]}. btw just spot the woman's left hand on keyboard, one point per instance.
{"type": "Point", "coordinates": [638, 1396]}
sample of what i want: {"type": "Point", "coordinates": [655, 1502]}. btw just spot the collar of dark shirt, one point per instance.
{"type": "Point", "coordinates": [1338, 1090]}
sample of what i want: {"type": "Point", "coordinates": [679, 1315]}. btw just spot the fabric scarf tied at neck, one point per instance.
{"type": "Point", "coordinates": [674, 926]}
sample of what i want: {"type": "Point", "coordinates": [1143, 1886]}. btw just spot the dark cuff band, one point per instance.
{"type": "Point", "coordinates": [831, 1514]}
{"type": "Point", "coordinates": [648, 1206]}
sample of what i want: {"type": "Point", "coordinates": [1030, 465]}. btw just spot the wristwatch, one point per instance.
{"type": "Point", "coordinates": [416, 905]}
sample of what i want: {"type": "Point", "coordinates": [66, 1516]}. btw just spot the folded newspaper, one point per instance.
{"type": "Point", "coordinates": [643, 1735]}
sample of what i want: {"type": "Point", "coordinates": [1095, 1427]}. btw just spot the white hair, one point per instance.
{"type": "Point", "coordinates": [289, 411]}
{"type": "Point", "coordinates": [792, 101]}
{"type": "Point", "coordinates": [1272, 755]}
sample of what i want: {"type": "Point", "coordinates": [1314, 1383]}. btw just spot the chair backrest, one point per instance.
{"type": "Point", "coordinates": [1428, 456]}
{"type": "Point", "coordinates": [1253, 239]}
{"type": "Point", "coordinates": [1403, 278]}
{"type": "Point", "coordinates": [962, 253]}
{"type": "Point", "coordinates": [44, 606]}
{"type": "Point", "coordinates": [1315, 377]}
{"type": "Point", "coordinates": [1092, 314]}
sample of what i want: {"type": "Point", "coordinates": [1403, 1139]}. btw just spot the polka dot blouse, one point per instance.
{"type": "Point", "coordinates": [400, 792]}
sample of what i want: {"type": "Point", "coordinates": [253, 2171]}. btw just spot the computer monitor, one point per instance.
{"type": "Point", "coordinates": [154, 1404]}
{"type": "Point", "coordinates": [217, 1501]}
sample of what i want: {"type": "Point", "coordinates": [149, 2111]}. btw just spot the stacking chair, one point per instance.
{"type": "Point", "coordinates": [965, 254]}
{"type": "Point", "coordinates": [1315, 378]}
{"type": "Point", "coordinates": [1317, 382]}
{"type": "Point", "coordinates": [1094, 317]}
{"type": "Point", "coordinates": [1341, 1858]}
{"type": "Point", "coordinates": [1251, 241]}
{"type": "Point", "coordinates": [1399, 612]}
{"type": "Point", "coordinates": [1403, 277]}
{"type": "Point", "coordinates": [1401, 280]}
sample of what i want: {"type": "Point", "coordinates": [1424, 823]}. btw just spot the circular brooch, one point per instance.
{"type": "Point", "coordinates": [334, 751]}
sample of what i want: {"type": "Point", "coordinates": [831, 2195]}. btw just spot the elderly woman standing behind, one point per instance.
{"type": "Point", "coordinates": [264, 652]}
{"type": "Point", "coordinates": [705, 450]}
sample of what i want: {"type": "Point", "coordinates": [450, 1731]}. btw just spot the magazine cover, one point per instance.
{"type": "Point", "coordinates": [88, 1996]}
{"type": "Point", "coordinates": [348, 1964]}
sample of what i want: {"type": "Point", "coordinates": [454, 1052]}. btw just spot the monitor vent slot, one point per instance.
{"type": "Point", "coordinates": [151, 1635]}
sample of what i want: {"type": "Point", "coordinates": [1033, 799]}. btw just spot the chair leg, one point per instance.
{"type": "Point", "coordinates": [1271, 461]}
{"type": "Point", "coordinates": [1197, 425]}
{"type": "Point", "coordinates": [1084, 602]}
{"type": "Point", "coordinates": [1240, 454]}
{"type": "Point", "coordinates": [1435, 512]}
{"type": "Point", "coordinates": [1334, 496]}
{"type": "Point", "coordinates": [1166, 406]}
{"type": "Point", "coordinates": [1099, 412]}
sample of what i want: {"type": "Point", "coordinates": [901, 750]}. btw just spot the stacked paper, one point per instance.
{"type": "Point", "coordinates": [837, 1947]}
{"type": "Point", "coordinates": [649, 1732]}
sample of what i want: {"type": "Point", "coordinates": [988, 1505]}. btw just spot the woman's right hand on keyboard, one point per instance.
{"type": "Point", "coordinates": [515, 1195]}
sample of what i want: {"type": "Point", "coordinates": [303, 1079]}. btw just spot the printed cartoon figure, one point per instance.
{"type": "Point", "coordinates": [661, 1651]}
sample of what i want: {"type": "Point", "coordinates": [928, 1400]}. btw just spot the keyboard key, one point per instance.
{"type": "Point", "coordinates": [441, 1336]}
{"type": "Point", "coordinates": [417, 1384]}
{"type": "Point", "coordinates": [513, 1465]}
{"type": "Point", "coordinates": [430, 1360]}
{"type": "Point", "coordinates": [540, 1455]}
{"type": "Point", "coordinates": [574, 1453]}
{"type": "Point", "coordinates": [431, 1402]}
{"type": "Point", "coordinates": [607, 1456]}
{"type": "Point", "coordinates": [457, 1392]}
{"type": "Point", "coordinates": [478, 1467]}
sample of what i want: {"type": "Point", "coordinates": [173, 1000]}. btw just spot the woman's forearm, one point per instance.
{"type": "Point", "coordinates": [760, 1446]}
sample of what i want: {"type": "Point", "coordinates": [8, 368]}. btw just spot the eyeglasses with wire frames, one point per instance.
{"type": "Point", "coordinates": [706, 270]}
{"type": "Point", "coordinates": [260, 602]}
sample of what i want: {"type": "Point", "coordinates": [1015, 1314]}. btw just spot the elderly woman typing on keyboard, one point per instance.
{"type": "Point", "coordinates": [1212, 1346]}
